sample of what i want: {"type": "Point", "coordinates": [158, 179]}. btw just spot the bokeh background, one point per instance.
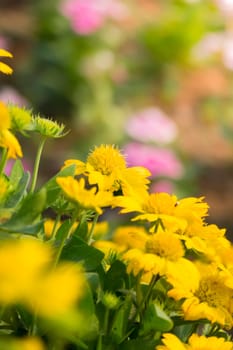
{"type": "Point", "coordinates": [154, 77]}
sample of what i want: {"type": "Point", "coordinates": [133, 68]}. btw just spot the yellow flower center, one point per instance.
{"type": "Point", "coordinates": [212, 292]}
{"type": "Point", "coordinates": [160, 203]}
{"type": "Point", "coordinates": [165, 245]}
{"type": "Point", "coordinates": [106, 159]}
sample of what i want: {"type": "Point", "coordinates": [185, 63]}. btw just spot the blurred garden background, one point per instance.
{"type": "Point", "coordinates": [154, 77]}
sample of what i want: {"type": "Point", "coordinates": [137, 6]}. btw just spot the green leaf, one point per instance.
{"type": "Point", "coordinates": [28, 214]}
{"type": "Point", "coordinates": [16, 196]}
{"type": "Point", "coordinates": [79, 251]}
{"type": "Point", "coordinates": [52, 188]}
{"type": "Point", "coordinates": [17, 172]}
{"type": "Point", "coordinates": [155, 319]}
{"type": "Point", "coordinates": [139, 343]}
{"type": "Point", "coordinates": [82, 230]}
{"type": "Point", "coordinates": [115, 276]}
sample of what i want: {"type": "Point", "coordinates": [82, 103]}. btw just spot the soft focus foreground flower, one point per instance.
{"type": "Point", "coordinates": [21, 262]}
{"type": "Point", "coordinates": [85, 198]}
{"type": "Point", "coordinates": [151, 125]}
{"type": "Point", "coordinates": [195, 342]}
{"type": "Point", "coordinates": [4, 68]}
{"type": "Point", "coordinates": [159, 161]}
{"type": "Point", "coordinates": [26, 343]}
{"type": "Point", "coordinates": [27, 278]}
{"type": "Point", "coordinates": [86, 17]}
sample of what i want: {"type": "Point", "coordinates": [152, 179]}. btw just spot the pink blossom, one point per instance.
{"type": "Point", "coordinates": [87, 16]}
{"type": "Point", "coordinates": [225, 6]}
{"type": "Point", "coordinates": [216, 43]}
{"type": "Point", "coordinates": [160, 161]}
{"type": "Point", "coordinates": [10, 163]}
{"type": "Point", "coordinates": [162, 186]}
{"type": "Point", "coordinates": [151, 125]}
{"type": "Point", "coordinates": [10, 95]}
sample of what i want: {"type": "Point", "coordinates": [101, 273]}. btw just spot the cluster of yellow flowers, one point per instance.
{"type": "Point", "coordinates": [185, 264]}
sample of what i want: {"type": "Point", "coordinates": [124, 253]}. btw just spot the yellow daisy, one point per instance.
{"type": "Point", "coordinates": [85, 198]}
{"type": "Point", "coordinates": [211, 300]}
{"type": "Point", "coordinates": [195, 342]}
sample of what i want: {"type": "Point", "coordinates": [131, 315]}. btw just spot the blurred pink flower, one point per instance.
{"type": "Point", "coordinates": [216, 43]}
{"type": "Point", "coordinates": [162, 186]}
{"type": "Point", "coordinates": [151, 125]}
{"type": "Point", "coordinates": [10, 95]}
{"type": "Point", "coordinates": [225, 6]}
{"type": "Point", "coordinates": [87, 16]}
{"type": "Point", "coordinates": [160, 161]}
{"type": "Point", "coordinates": [10, 163]}
{"type": "Point", "coordinates": [4, 43]}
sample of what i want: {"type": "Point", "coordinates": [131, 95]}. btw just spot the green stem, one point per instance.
{"type": "Point", "coordinates": [144, 300]}
{"type": "Point", "coordinates": [54, 231]}
{"type": "Point", "coordinates": [90, 234]}
{"type": "Point", "coordinates": [33, 329]}
{"type": "Point", "coordinates": [36, 165]}
{"type": "Point", "coordinates": [61, 246]}
{"type": "Point", "coordinates": [3, 160]}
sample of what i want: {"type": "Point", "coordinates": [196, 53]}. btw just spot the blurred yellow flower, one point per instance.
{"type": "Point", "coordinates": [4, 68]}
{"type": "Point", "coordinates": [56, 292]}
{"type": "Point", "coordinates": [5, 120]}
{"type": "Point", "coordinates": [21, 262]}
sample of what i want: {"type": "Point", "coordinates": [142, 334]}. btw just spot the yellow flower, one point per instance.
{"type": "Point", "coordinates": [4, 68]}
{"type": "Point", "coordinates": [57, 291]}
{"type": "Point", "coordinates": [27, 343]}
{"type": "Point", "coordinates": [174, 214]}
{"type": "Point", "coordinates": [86, 198]}
{"type": "Point", "coordinates": [164, 256]}
{"type": "Point", "coordinates": [106, 167]}
{"type": "Point", "coordinates": [195, 342]}
{"type": "Point", "coordinates": [107, 247]}
{"type": "Point", "coordinates": [21, 262]}
{"type": "Point", "coordinates": [9, 141]}
{"type": "Point", "coordinates": [153, 207]}
{"type": "Point", "coordinates": [5, 120]}
{"type": "Point", "coordinates": [212, 299]}
{"type": "Point", "coordinates": [100, 229]}
{"type": "Point", "coordinates": [131, 236]}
